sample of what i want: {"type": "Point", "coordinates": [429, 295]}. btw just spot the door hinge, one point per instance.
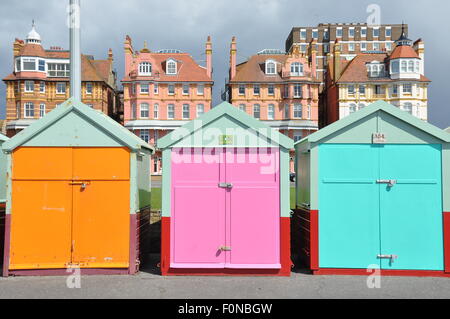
{"type": "Point", "coordinates": [391, 257]}
{"type": "Point", "coordinates": [390, 182]}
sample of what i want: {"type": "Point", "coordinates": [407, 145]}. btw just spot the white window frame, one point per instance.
{"type": "Point", "coordinates": [188, 89]}
{"type": "Point", "coordinates": [271, 87]}
{"type": "Point", "coordinates": [242, 107]}
{"type": "Point", "coordinates": [297, 69]}
{"type": "Point", "coordinates": [298, 90]}
{"type": "Point", "coordinates": [339, 32]}
{"type": "Point", "coordinates": [145, 68]}
{"type": "Point", "coordinates": [28, 110]}
{"type": "Point", "coordinates": [169, 91]}
{"type": "Point", "coordinates": [351, 89]}
{"type": "Point", "coordinates": [364, 32]}
{"type": "Point", "coordinates": [271, 67]}
{"type": "Point", "coordinates": [156, 111]}
{"type": "Point", "coordinates": [145, 88]}
{"type": "Point", "coordinates": [376, 30]}
{"type": "Point", "coordinates": [186, 108]}
{"type": "Point", "coordinates": [303, 34]}
{"type": "Point", "coordinates": [42, 110]}
{"type": "Point", "coordinates": [171, 67]}
{"type": "Point", "coordinates": [363, 46]}
{"type": "Point", "coordinates": [409, 86]}
{"type": "Point", "coordinates": [298, 111]}
{"type": "Point", "coordinates": [29, 87]}
{"type": "Point", "coordinates": [171, 111]}
{"type": "Point", "coordinates": [386, 32]}
{"type": "Point", "coordinates": [200, 89]}
{"type": "Point", "coordinates": [351, 32]}
{"type": "Point", "coordinates": [287, 111]}
{"type": "Point", "coordinates": [200, 109]}
{"type": "Point", "coordinates": [351, 47]}
{"type": "Point", "coordinates": [257, 111]}
{"type": "Point", "coordinates": [256, 89]}
{"type": "Point", "coordinates": [89, 88]}
{"type": "Point", "coordinates": [315, 34]}
{"type": "Point", "coordinates": [241, 86]}
{"type": "Point", "coordinates": [145, 135]}
{"type": "Point", "coordinates": [144, 110]}
{"type": "Point", "coordinates": [29, 60]}
{"type": "Point", "coordinates": [271, 112]}
{"type": "Point", "coordinates": [156, 88]}
{"type": "Point", "coordinates": [60, 85]}
{"type": "Point", "coordinates": [134, 111]}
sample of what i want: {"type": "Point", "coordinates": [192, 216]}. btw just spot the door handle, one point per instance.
{"type": "Point", "coordinates": [226, 185]}
{"type": "Point", "coordinates": [82, 184]}
{"type": "Point", "coordinates": [225, 248]}
{"type": "Point", "coordinates": [391, 257]}
{"type": "Point", "coordinates": [390, 182]}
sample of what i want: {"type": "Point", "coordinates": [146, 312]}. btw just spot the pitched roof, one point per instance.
{"type": "Point", "coordinates": [98, 119]}
{"type": "Point", "coordinates": [372, 108]}
{"type": "Point", "coordinates": [226, 109]}
{"type": "Point", "coordinates": [253, 70]}
{"type": "Point", "coordinates": [403, 51]}
{"type": "Point", "coordinates": [188, 69]}
{"type": "Point", "coordinates": [356, 70]}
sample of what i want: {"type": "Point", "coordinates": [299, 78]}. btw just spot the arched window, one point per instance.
{"type": "Point", "coordinates": [145, 68]}
{"type": "Point", "coordinates": [352, 108]}
{"type": "Point", "coordinates": [296, 69]}
{"type": "Point", "coordinates": [271, 67]}
{"type": "Point", "coordinates": [407, 107]}
{"type": "Point", "coordinates": [145, 113]}
{"type": "Point", "coordinates": [171, 67]}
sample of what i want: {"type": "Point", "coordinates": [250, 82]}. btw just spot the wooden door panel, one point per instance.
{"type": "Point", "coordinates": [101, 164]}
{"type": "Point", "coordinates": [101, 224]}
{"type": "Point", "coordinates": [46, 163]}
{"type": "Point", "coordinates": [40, 225]}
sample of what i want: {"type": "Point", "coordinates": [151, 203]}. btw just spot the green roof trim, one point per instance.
{"type": "Point", "coordinates": [96, 118]}
{"type": "Point", "coordinates": [226, 109]}
{"type": "Point", "coordinates": [373, 108]}
{"type": "Point", "coordinates": [3, 138]}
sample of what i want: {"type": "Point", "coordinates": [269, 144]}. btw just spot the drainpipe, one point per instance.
{"type": "Point", "coordinates": [75, 50]}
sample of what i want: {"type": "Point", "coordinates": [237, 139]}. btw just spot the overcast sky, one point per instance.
{"type": "Point", "coordinates": [257, 24]}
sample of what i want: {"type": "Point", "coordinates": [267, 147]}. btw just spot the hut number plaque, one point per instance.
{"type": "Point", "coordinates": [226, 140]}
{"type": "Point", "coordinates": [378, 138]}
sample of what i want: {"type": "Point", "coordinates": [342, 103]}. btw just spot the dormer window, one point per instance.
{"type": "Point", "coordinates": [271, 67]}
{"type": "Point", "coordinates": [145, 68]}
{"type": "Point", "coordinates": [171, 67]}
{"type": "Point", "coordinates": [296, 69]}
{"type": "Point", "coordinates": [376, 69]}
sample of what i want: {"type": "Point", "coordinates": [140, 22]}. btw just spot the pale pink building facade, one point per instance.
{"type": "Point", "coordinates": [164, 90]}
{"type": "Point", "coordinates": [278, 88]}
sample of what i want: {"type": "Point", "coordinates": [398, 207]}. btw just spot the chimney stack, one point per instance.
{"type": "Point", "coordinates": [75, 49]}
{"type": "Point", "coordinates": [209, 57]}
{"type": "Point", "coordinates": [233, 52]}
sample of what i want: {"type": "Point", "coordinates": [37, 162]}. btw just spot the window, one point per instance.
{"type": "Point", "coordinates": [404, 66]}
{"type": "Point", "coordinates": [155, 164]}
{"type": "Point", "coordinates": [379, 90]}
{"type": "Point", "coordinates": [315, 34]}
{"type": "Point", "coordinates": [200, 89]}
{"type": "Point", "coordinates": [145, 113]}
{"type": "Point", "coordinates": [200, 110]}
{"type": "Point", "coordinates": [297, 90]}
{"type": "Point", "coordinates": [376, 32]}
{"type": "Point", "coordinates": [326, 48]}
{"type": "Point", "coordinates": [407, 88]}
{"type": "Point", "coordinates": [58, 70]}
{"type": "Point", "coordinates": [256, 89]}
{"type": "Point", "coordinates": [286, 91]}
{"type": "Point", "coordinates": [362, 89]}
{"type": "Point", "coordinates": [170, 111]}
{"type": "Point", "coordinates": [388, 32]}
{"type": "Point", "coordinates": [351, 32]}
{"type": "Point", "coordinates": [364, 32]}
{"type": "Point", "coordinates": [297, 136]}
{"type": "Point", "coordinates": [61, 88]}
{"type": "Point", "coordinates": [145, 88]}
{"type": "Point", "coordinates": [155, 136]}
{"type": "Point", "coordinates": [241, 89]}
{"type": "Point", "coordinates": [156, 111]}
{"type": "Point", "coordinates": [18, 110]}
{"type": "Point", "coordinates": [271, 67]}
{"type": "Point", "coordinates": [242, 107]}
{"type": "Point", "coordinates": [388, 46]}
{"type": "Point", "coordinates": [145, 135]}
{"type": "Point", "coordinates": [257, 111]}
{"type": "Point", "coordinates": [133, 88]}
{"type": "Point", "coordinates": [133, 111]}
{"type": "Point", "coordinates": [298, 111]}
{"type": "Point", "coordinates": [185, 89]}
{"type": "Point", "coordinates": [376, 46]}
{"type": "Point", "coordinates": [17, 86]}
{"type": "Point", "coordinates": [339, 33]}
{"type": "Point", "coordinates": [42, 65]}
{"type": "Point", "coordinates": [411, 66]}
{"type": "Point", "coordinates": [18, 65]}
{"type": "Point", "coordinates": [296, 69]}
{"type": "Point", "coordinates": [303, 34]}
{"type": "Point", "coordinates": [363, 46]}
{"type": "Point", "coordinates": [186, 112]}
{"type": "Point", "coordinates": [395, 89]}
{"type": "Point", "coordinates": [287, 111]}
{"type": "Point", "coordinates": [145, 68]}
{"type": "Point", "coordinates": [89, 88]}
{"type": "Point", "coordinates": [417, 67]}
{"type": "Point", "coordinates": [303, 47]}
{"type": "Point", "coordinates": [171, 89]}
{"type": "Point", "coordinates": [361, 106]}
{"type": "Point", "coordinates": [156, 88]}
{"type": "Point", "coordinates": [29, 86]}
{"type": "Point", "coordinates": [41, 110]}
{"type": "Point", "coordinates": [326, 34]}
{"type": "Point", "coordinates": [29, 110]}
{"type": "Point", "coordinates": [171, 67]}
{"type": "Point", "coordinates": [351, 47]}
{"type": "Point", "coordinates": [395, 67]}
{"type": "Point", "coordinates": [407, 107]}
{"type": "Point", "coordinates": [351, 89]}
{"type": "Point", "coordinates": [29, 64]}
{"type": "Point", "coordinates": [308, 110]}
{"type": "Point", "coordinates": [271, 112]}
{"type": "Point", "coordinates": [352, 108]}
{"type": "Point", "coordinates": [271, 89]}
